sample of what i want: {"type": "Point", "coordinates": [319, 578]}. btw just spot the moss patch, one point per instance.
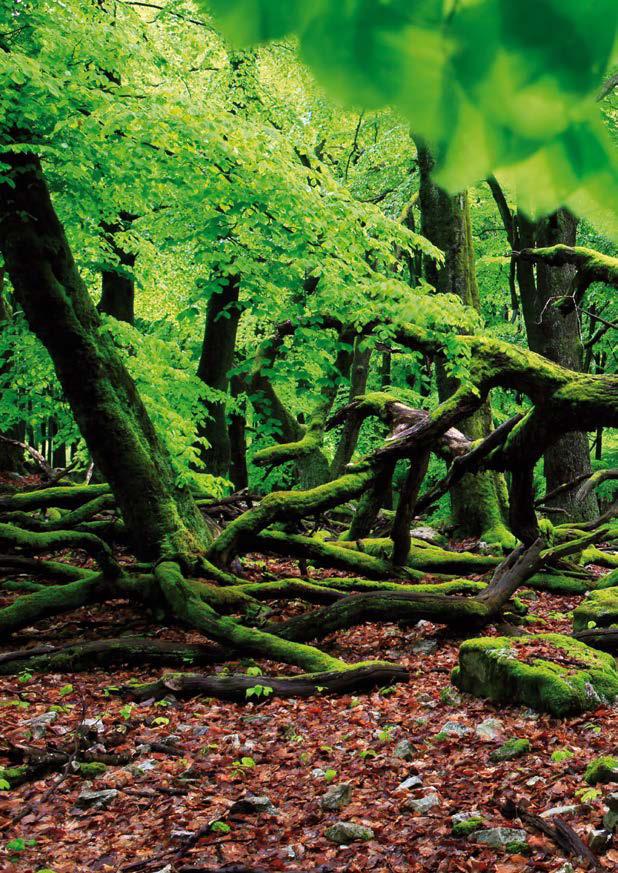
{"type": "Point", "coordinates": [604, 769]}
{"type": "Point", "coordinates": [568, 677]}
{"type": "Point", "coordinates": [514, 748]}
{"type": "Point", "coordinates": [600, 607]}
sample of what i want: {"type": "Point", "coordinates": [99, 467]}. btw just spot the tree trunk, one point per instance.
{"type": "Point", "coordinates": [11, 456]}
{"type": "Point", "coordinates": [222, 316]}
{"type": "Point", "coordinates": [477, 502]}
{"type": "Point", "coordinates": [237, 436]}
{"type": "Point", "coordinates": [359, 371]}
{"type": "Point", "coordinates": [555, 335]}
{"type": "Point", "coordinates": [161, 518]}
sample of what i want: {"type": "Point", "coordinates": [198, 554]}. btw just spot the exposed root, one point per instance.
{"type": "Point", "coordinates": [245, 688]}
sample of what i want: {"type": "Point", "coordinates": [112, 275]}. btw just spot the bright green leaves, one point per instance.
{"type": "Point", "coordinates": [493, 85]}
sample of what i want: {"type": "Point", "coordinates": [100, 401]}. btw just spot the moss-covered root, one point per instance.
{"type": "Point", "coordinates": [250, 688]}
{"type": "Point", "coordinates": [102, 653]}
{"type": "Point", "coordinates": [187, 605]}
{"type": "Point", "coordinates": [15, 537]}
{"type": "Point", "coordinates": [411, 606]}
{"type": "Point", "coordinates": [63, 497]}
{"type": "Point", "coordinates": [38, 566]}
{"type": "Point", "coordinates": [352, 585]}
{"type": "Point", "coordinates": [344, 555]}
{"type": "Point", "coordinates": [287, 506]}
{"type": "Point", "coordinates": [64, 521]}
{"type": "Point", "coordinates": [52, 600]}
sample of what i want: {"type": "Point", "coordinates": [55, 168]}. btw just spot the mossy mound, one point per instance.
{"type": "Point", "coordinates": [548, 672]}
{"type": "Point", "coordinates": [600, 607]}
{"type": "Point", "coordinates": [604, 769]}
{"type": "Point", "coordinates": [514, 748]}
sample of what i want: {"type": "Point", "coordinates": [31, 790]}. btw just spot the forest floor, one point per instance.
{"type": "Point", "coordinates": [292, 751]}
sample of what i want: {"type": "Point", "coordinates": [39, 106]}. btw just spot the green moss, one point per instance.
{"type": "Point", "coordinates": [14, 775]}
{"type": "Point", "coordinates": [599, 607]}
{"type": "Point", "coordinates": [489, 667]}
{"type": "Point", "coordinates": [513, 748]}
{"type": "Point", "coordinates": [604, 769]}
{"type": "Point", "coordinates": [517, 848]}
{"type": "Point", "coordinates": [467, 827]}
{"type": "Point", "coordinates": [92, 769]}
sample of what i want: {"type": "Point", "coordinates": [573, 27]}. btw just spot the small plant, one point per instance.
{"type": "Point", "coordinates": [258, 691]}
{"type": "Point", "coordinates": [241, 767]}
{"type": "Point", "coordinates": [587, 795]}
{"type": "Point", "coordinates": [19, 845]}
{"type": "Point", "coordinates": [368, 753]}
{"type": "Point", "coordinates": [4, 785]}
{"type": "Point", "coordinates": [160, 720]}
{"type": "Point", "coordinates": [254, 671]}
{"type": "Point", "coordinates": [126, 710]}
{"type": "Point", "coordinates": [66, 689]}
{"type": "Point", "coordinates": [561, 755]}
{"type": "Point", "coordinates": [385, 735]}
{"type": "Point", "coordinates": [220, 827]}
{"type": "Point", "coordinates": [329, 774]}
{"type": "Point", "coordinates": [24, 677]}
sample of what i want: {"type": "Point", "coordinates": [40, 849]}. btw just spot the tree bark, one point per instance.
{"type": "Point", "coordinates": [222, 317]}
{"type": "Point", "coordinates": [117, 282]}
{"type": "Point", "coordinates": [554, 334]}
{"type": "Point", "coordinates": [477, 503]}
{"type": "Point", "coordinates": [161, 517]}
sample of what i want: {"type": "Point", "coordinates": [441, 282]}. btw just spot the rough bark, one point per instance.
{"type": "Point", "coordinates": [476, 502]}
{"type": "Point", "coordinates": [161, 517]}
{"type": "Point", "coordinates": [555, 334]}
{"type": "Point", "coordinates": [222, 317]}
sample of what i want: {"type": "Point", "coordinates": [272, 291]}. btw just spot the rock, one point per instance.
{"type": "Point", "coordinates": [422, 805]}
{"type": "Point", "coordinates": [405, 750]}
{"type": "Point", "coordinates": [465, 823]}
{"type": "Point", "coordinates": [566, 868]}
{"type": "Point", "coordinates": [336, 797]}
{"type": "Point", "coordinates": [40, 724]}
{"type": "Point", "coordinates": [345, 832]}
{"type": "Point", "coordinates": [599, 840]}
{"type": "Point", "coordinates": [92, 725]}
{"type": "Point", "coordinates": [424, 647]}
{"type": "Point", "coordinates": [96, 799]}
{"type": "Point", "coordinates": [512, 839]}
{"type": "Point", "coordinates": [603, 769]}
{"type": "Point", "coordinates": [254, 804]}
{"type": "Point", "coordinates": [610, 819]}
{"type": "Point", "coordinates": [143, 767]}
{"type": "Point", "coordinates": [318, 773]}
{"type": "Point", "coordinates": [410, 782]}
{"type": "Point", "coordinates": [490, 729]}
{"type": "Point", "coordinates": [490, 667]}
{"type": "Point", "coordinates": [600, 607]}
{"type": "Point", "coordinates": [569, 809]}
{"type": "Point", "coordinates": [454, 729]}
{"type": "Point", "coordinates": [513, 748]}
{"type": "Point", "coordinates": [428, 535]}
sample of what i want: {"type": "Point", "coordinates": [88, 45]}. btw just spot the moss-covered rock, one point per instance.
{"type": "Point", "coordinates": [548, 672]}
{"type": "Point", "coordinates": [463, 825]}
{"type": "Point", "coordinates": [92, 769]}
{"type": "Point", "coordinates": [600, 607]}
{"type": "Point", "coordinates": [604, 769]}
{"type": "Point", "coordinates": [513, 748]}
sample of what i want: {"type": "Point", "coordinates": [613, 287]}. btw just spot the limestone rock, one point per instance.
{"type": "Point", "coordinates": [501, 838]}
{"type": "Point", "coordinates": [336, 797]}
{"type": "Point", "coordinates": [345, 832]}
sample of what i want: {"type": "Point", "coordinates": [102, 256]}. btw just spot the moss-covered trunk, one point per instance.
{"type": "Point", "coordinates": [216, 359]}
{"type": "Point", "coordinates": [161, 517]}
{"type": "Point", "coordinates": [477, 502]}
{"type": "Point", "coordinates": [555, 334]}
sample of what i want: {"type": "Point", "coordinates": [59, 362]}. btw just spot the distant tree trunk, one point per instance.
{"type": "Point", "coordinates": [477, 502]}
{"type": "Point", "coordinates": [555, 336]}
{"type": "Point", "coordinates": [118, 288]}
{"type": "Point", "coordinates": [222, 316]}
{"type": "Point", "coordinates": [11, 457]}
{"type": "Point", "coordinates": [359, 371]}
{"type": "Point", "coordinates": [161, 518]}
{"type": "Point", "coordinates": [237, 436]}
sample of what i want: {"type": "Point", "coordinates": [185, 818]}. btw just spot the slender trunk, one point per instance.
{"type": "Point", "coordinates": [555, 335]}
{"type": "Point", "coordinates": [222, 316]}
{"type": "Point", "coordinates": [161, 517]}
{"type": "Point", "coordinates": [237, 436]}
{"type": "Point", "coordinates": [359, 371]}
{"type": "Point", "coordinates": [477, 502]}
{"type": "Point", "coordinates": [11, 456]}
{"type": "Point", "coordinates": [117, 281]}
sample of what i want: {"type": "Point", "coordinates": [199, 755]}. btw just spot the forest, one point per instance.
{"type": "Point", "coordinates": [308, 436]}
